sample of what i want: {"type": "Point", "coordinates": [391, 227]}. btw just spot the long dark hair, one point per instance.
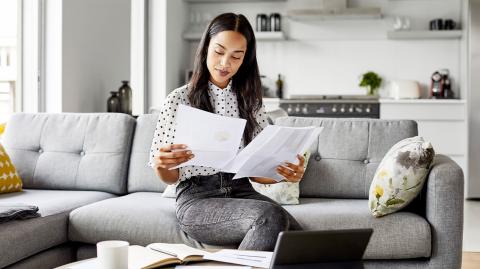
{"type": "Point", "coordinates": [245, 83]}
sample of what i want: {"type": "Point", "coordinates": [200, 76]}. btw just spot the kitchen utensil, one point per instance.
{"type": "Point", "coordinates": [436, 24]}
{"type": "Point", "coordinates": [449, 24]}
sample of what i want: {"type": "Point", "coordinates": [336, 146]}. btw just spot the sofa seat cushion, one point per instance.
{"type": "Point", "coordinates": [140, 218]}
{"type": "Point", "coordinates": [23, 238]}
{"type": "Point", "coordinates": [402, 235]}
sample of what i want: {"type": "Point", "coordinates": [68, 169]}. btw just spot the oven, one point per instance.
{"type": "Point", "coordinates": [342, 106]}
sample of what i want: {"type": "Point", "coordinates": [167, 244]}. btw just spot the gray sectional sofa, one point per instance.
{"type": "Point", "coordinates": [88, 175]}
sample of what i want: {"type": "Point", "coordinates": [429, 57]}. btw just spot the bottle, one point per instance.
{"type": "Point", "coordinates": [275, 22]}
{"type": "Point", "coordinates": [258, 24]}
{"type": "Point", "coordinates": [271, 22]}
{"type": "Point", "coordinates": [113, 102]}
{"type": "Point", "coordinates": [278, 22]}
{"type": "Point", "coordinates": [279, 84]}
{"type": "Point", "coordinates": [261, 23]}
{"type": "Point", "coordinates": [264, 23]}
{"type": "Point", "coordinates": [125, 95]}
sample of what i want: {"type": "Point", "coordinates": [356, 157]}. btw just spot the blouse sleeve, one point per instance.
{"type": "Point", "coordinates": [165, 129]}
{"type": "Point", "coordinates": [262, 120]}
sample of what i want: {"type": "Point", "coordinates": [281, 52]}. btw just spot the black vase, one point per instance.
{"type": "Point", "coordinates": [125, 95]}
{"type": "Point", "coordinates": [113, 103]}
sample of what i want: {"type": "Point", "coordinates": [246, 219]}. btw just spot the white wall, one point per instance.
{"type": "Point", "coordinates": [53, 51]}
{"type": "Point", "coordinates": [168, 53]}
{"type": "Point", "coordinates": [473, 183]}
{"type": "Point", "coordinates": [30, 53]}
{"type": "Point", "coordinates": [87, 53]}
{"type": "Point", "coordinates": [96, 52]}
{"type": "Point", "coordinates": [327, 57]}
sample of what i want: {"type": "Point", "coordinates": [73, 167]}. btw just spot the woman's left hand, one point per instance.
{"type": "Point", "coordinates": [292, 172]}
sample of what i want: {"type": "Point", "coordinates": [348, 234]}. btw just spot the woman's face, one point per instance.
{"type": "Point", "coordinates": [225, 56]}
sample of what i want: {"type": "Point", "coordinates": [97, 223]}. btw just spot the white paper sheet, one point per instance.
{"type": "Point", "coordinates": [243, 257]}
{"type": "Point", "coordinates": [213, 139]}
{"type": "Point", "coordinates": [90, 264]}
{"type": "Point", "coordinates": [272, 147]}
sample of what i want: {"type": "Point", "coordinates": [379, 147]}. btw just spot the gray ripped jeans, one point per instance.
{"type": "Point", "coordinates": [219, 211]}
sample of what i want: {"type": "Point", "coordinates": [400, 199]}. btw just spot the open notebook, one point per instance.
{"type": "Point", "coordinates": [158, 255]}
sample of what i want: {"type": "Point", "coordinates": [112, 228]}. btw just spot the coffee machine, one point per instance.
{"type": "Point", "coordinates": [440, 86]}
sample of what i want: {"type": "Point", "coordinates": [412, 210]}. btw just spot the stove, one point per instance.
{"type": "Point", "coordinates": [332, 106]}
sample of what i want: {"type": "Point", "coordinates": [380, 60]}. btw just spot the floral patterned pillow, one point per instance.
{"type": "Point", "coordinates": [400, 176]}
{"type": "Point", "coordinates": [284, 193]}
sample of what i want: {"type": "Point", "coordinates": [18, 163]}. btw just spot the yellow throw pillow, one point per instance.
{"type": "Point", "coordinates": [9, 179]}
{"type": "Point", "coordinates": [2, 128]}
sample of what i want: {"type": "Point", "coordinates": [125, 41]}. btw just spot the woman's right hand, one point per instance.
{"type": "Point", "coordinates": [172, 155]}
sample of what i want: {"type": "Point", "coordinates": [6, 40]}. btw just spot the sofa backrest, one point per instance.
{"type": "Point", "coordinates": [348, 151]}
{"type": "Point", "coordinates": [75, 151]}
{"type": "Point", "coordinates": [141, 177]}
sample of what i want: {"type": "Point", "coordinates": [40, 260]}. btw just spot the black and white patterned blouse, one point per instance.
{"type": "Point", "coordinates": [224, 103]}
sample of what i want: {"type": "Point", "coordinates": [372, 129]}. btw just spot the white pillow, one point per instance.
{"type": "Point", "coordinates": [170, 191]}
{"type": "Point", "coordinates": [400, 176]}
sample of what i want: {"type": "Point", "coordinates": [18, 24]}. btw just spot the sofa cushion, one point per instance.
{"type": "Point", "coordinates": [23, 238]}
{"type": "Point", "coordinates": [344, 158]}
{"type": "Point", "coordinates": [141, 177]}
{"type": "Point", "coordinates": [71, 151]}
{"type": "Point", "coordinates": [402, 235]}
{"type": "Point", "coordinates": [143, 218]}
{"type": "Point", "coordinates": [139, 218]}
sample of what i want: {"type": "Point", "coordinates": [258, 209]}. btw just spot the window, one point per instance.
{"type": "Point", "coordinates": [9, 47]}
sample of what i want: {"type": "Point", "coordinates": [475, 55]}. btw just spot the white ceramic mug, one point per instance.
{"type": "Point", "coordinates": [112, 254]}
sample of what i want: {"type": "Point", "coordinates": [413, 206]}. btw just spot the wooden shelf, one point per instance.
{"type": "Point", "coordinates": [230, 1]}
{"type": "Point", "coordinates": [410, 34]}
{"type": "Point", "coordinates": [365, 13]}
{"type": "Point", "coordinates": [260, 36]}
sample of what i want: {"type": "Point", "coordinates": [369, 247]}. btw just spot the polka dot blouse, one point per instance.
{"type": "Point", "coordinates": [224, 103]}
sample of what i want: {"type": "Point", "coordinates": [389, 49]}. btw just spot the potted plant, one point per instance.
{"type": "Point", "coordinates": [371, 81]}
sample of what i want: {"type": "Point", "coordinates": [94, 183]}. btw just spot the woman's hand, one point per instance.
{"type": "Point", "coordinates": [292, 172]}
{"type": "Point", "coordinates": [172, 155]}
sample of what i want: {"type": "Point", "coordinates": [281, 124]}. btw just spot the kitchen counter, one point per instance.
{"type": "Point", "coordinates": [422, 101]}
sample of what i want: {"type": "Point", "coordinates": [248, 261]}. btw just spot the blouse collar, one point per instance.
{"type": "Point", "coordinates": [215, 88]}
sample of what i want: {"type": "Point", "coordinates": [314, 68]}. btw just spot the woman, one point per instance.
{"type": "Point", "coordinates": [211, 207]}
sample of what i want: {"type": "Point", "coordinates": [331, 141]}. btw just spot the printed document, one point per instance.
{"type": "Point", "coordinates": [212, 138]}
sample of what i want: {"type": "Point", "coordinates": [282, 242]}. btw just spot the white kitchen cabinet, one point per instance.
{"type": "Point", "coordinates": [442, 122]}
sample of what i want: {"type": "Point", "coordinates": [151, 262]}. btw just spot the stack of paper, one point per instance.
{"type": "Point", "coordinates": [260, 259]}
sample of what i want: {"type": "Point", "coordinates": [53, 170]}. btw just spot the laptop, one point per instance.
{"type": "Point", "coordinates": [320, 249]}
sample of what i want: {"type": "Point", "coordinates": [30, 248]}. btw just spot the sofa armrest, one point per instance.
{"type": "Point", "coordinates": [444, 212]}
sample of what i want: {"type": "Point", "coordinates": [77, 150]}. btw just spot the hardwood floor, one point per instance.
{"type": "Point", "coordinates": [471, 260]}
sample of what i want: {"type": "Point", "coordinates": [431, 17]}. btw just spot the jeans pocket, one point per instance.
{"type": "Point", "coordinates": [184, 187]}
